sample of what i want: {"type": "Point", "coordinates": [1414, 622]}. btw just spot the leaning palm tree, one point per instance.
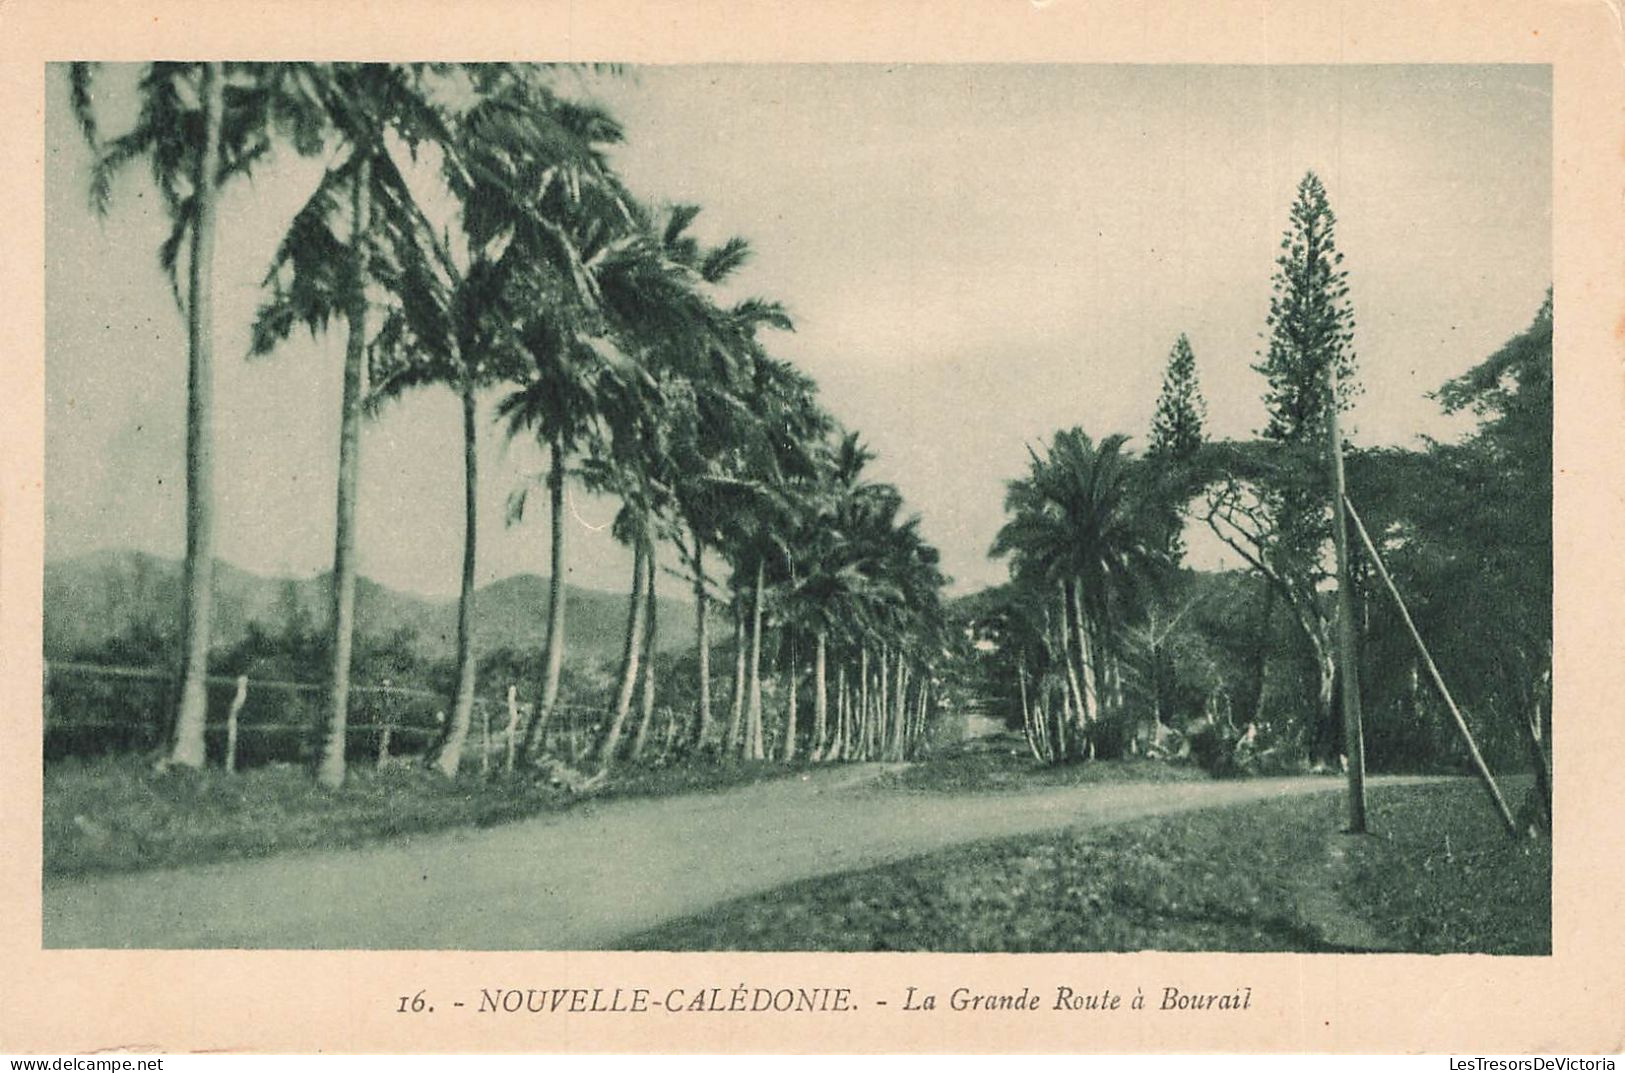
{"type": "Point", "coordinates": [621, 466]}
{"type": "Point", "coordinates": [704, 416]}
{"type": "Point", "coordinates": [530, 168]}
{"type": "Point", "coordinates": [521, 165]}
{"type": "Point", "coordinates": [197, 125]}
{"type": "Point", "coordinates": [590, 380]}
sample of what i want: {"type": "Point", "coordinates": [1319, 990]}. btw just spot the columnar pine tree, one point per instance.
{"type": "Point", "coordinates": [1177, 432]}
{"type": "Point", "coordinates": [1311, 323]}
{"type": "Point", "coordinates": [1310, 349]}
{"type": "Point", "coordinates": [1180, 423]}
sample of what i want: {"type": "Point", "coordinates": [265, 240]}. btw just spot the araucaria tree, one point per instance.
{"type": "Point", "coordinates": [1178, 430]}
{"type": "Point", "coordinates": [1271, 504]}
{"type": "Point", "coordinates": [1179, 425]}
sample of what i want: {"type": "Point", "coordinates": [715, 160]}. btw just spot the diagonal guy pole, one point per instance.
{"type": "Point", "coordinates": [1438, 680]}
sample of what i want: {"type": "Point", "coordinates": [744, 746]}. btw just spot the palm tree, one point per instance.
{"type": "Point", "coordinates": [514, 162]}
{"type": "Point", "coordinates": [1080, 527]}
{"type": "Point", "coordinates": [779, 464]}
{"type": "Point", "coordinates": [594, 379]}
{"type": "Point", "coordinates": [360, 229]}
{"type": "Point", "coordinates": [610, 383]}
{"type": "Point", "coordinates": [704, 418]}
{"type": "Point", "coordinates": [830, 587]}
{"type": "Point", "coordinates": [197, 125]}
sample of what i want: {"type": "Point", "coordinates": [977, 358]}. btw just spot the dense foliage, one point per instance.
{"type": "Point", "coordinates": [1099, 643]}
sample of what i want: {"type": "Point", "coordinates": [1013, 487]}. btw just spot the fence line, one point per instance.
{"type": "Point", "coordinates": [152, 674]}
{"type": "Point", "coordinates": [566, 725]}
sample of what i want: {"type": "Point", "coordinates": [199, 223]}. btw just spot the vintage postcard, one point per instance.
{"type": "Point", "coordinates": [979, 527]}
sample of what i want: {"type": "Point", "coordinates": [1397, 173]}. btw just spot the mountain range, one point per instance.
{"type": "Point", "coordinates": [92, 599]}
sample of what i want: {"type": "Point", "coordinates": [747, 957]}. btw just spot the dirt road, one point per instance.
{"type": "Point", "coordinates": [583, 878]}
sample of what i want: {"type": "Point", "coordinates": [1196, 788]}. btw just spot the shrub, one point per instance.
{"type": "Point", "coordinates": [1111, 734]}
{"type": "Point", "coordinates": [1213, 748]}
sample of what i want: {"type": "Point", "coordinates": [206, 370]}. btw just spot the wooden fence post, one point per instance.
{"type": "Point", "coordinates": [385, 727]}
{"type": "Point", "coordinates": [485, 739]}
{"type": "Point", "coordinates": [237, 703]}
{"type": "Point", "coordinates": [513, 727]}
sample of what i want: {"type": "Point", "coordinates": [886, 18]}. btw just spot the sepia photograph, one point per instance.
{"type": "Point", "coordinates": [829, 507]}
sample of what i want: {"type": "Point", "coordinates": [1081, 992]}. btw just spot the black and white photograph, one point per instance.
{"type": "Point", "coordinates": [823, 507]}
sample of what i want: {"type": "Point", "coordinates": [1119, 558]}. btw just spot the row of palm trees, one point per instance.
{"type": "Point", "coordinates": [469, 231]}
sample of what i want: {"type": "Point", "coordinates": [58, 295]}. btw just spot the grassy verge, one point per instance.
{"type": "Point", "coordinates": [118, 815]}
{"type": "Point", "coordinates": [1002, 764]}
{"type": "Point", "coordinates": [1440, 876]}
{"type": "Point", "coordinates": [1223, 879]}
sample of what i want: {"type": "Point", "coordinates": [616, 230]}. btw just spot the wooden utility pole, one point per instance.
{"type": "Point", "coordinates": [1353, 731]}
{"type": "Point", "coordinates": [1479, 766]}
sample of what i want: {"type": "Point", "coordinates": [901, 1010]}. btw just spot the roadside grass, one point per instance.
{"type": "Point", "coordinates": [1221, 879]}
{"type": "Point", "coordinates": [1002, 764]}
{"type": "Point", "coordinates": [118, 815]}
{"type": "Point", "coordinates": [1440, 876]}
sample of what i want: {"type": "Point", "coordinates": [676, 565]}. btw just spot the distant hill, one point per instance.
{"type": "Point", "coordinates": [93, 598]}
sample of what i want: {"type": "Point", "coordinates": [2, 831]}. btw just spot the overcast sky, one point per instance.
{"type": "Point", "coordinates": [975, 257]}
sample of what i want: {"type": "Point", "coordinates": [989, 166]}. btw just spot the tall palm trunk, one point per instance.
{"type": "Point", "coordinates": [650, 618]}
{"type": "Point", "coordinates": [1071, 707]}
{"type": "Point", "coordinates": [187, 747]}
{"type": "Point", "coordinates": [1089, 671]}
{"type": "Point", "coordinates": [702, 730]}
{"type": "Point", "coordinates": [863, 703]}
{"type": "Point", "coordinates": [881, 695]}
{"type": "Point", "coordinates": [790, 706]}
{"type": "Point", "coordinates": [1041, 720]}
{"type": "Point", "coordinates": [840, 748]}
{"type": "Point", "coordinates": [462, 710]}
{"type": "Point", "coordinates": [629, 662]}
{"type": "Point", "coordinates": [753, 741]}
{"type": "Point", "coordinates": [1027, 726]}
{"type": "Point", "coordinates": [736, 711]}
{"type": "Point", "coordinates": [820, 696]}
{"type": "Point", "coordinates": [900, 720]}
{"type": "Point", "coordinates": [553, 659]}
{"type": "Point", "coordinates": [882, 703]}
{"type": "Point", "coordinates": [921, 709]}
{"type": "Point", "coordinates": [331, 771]}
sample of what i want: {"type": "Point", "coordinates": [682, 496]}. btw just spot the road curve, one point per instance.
{"type": "Point", "coordinates": [581, 879]}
